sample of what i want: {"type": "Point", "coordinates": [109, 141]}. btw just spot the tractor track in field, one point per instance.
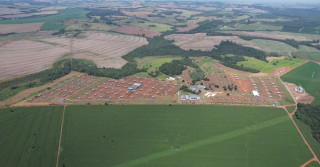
{"type": "Point", "coordinates": [58, 154]}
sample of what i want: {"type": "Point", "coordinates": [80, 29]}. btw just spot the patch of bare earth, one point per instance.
{"type": "Point", "coordinates": [19, 28]}
{"type": "Point", "coordinates": [265, 35]}
{"type": "Point", "coordinates": [26, 57]}
{"type": "Point", "coordinates": [300, 97]}
{"type": "Point", "coordinates": [9, 11]}
{"type": "Point", "coordinates": [200, 41]}
{"type": "Point", "coordinates": [136, 31]}
{"type": "Point", "coordinates": [105, 49]}
{"type": "Point", "coordinates": [188, 28]}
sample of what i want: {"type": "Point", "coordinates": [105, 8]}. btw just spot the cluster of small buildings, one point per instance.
{"type": "Point", "coordinates": [190, 97]}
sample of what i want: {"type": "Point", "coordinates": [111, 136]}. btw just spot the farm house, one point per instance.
{"type": "Point", "coordinates": [134, 86]}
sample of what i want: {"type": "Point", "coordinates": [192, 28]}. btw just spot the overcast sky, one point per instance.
{"type": "Point", "coordinates": [274, 1]}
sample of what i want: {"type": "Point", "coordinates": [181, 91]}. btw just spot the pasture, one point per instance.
{"type": "Point", "coordinates": [274, 46]}
{"type": "Point", "coordinates": [180, 136]}
{"type": "Point", "coordinates": [153, 63]}
{"type": "Point", "coordinates": [278, 63]}
{"type": "Point", "coordinates": [154, 26]}
{"type": "Point", "coordinates": [308, 76]}
{"type": "Point", "coordinates": [29, 137]}
{"type": "Point", "coordinates": [252, 63]}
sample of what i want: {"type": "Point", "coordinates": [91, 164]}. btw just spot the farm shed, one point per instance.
{"type": "Point", "coordinates": [255, 93]}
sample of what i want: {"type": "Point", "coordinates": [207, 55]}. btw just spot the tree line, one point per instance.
{"type": "Point", "coordinates": [310, 115]}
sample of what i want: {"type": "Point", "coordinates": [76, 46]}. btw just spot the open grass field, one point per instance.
{"type": "Point", "coordinates": [153, 63]}
{"type": "Point", "coordinates": [252, 63]}
{"type": "Point", "coordinates": [308, 76]}
{"type": "Point", "coordinates": [268, 67]}
{"type": "Point", "coordinates": [291, 108]}
{"type": "Point", "coordinates": [274, 46]}
{"type": "Point", "coordinates": [287, 62]}
{"type": "Point", "coordinates": [180, 136]}
{"type": "Point", "coordinates": [29, 136]}
{"type": "Point", "coordinates": [154, 26]}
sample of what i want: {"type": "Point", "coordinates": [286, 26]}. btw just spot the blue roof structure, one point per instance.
{"type": "Point", "coordinates": [134, 86]}
{"type": "Point", "coordinates": [193, 89]}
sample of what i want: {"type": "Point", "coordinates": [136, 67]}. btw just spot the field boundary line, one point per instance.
{"type": "Point", "coordinates": [304, 139]}
{"type": "Point", "coordinates": [307, 163]}
{"type": "Point", "coordinates": [58, 154]}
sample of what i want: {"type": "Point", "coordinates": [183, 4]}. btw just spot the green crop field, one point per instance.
{"type": "Point", "coordinates": [274, 46]}
{"type": "Point", "coordinates": [153, 63]}
{"type": "Point", "coordinates": [288, 62]}
{"type": "Point", "coordinates": [210, 69]}
{"type": "Point", "coordinates": [29, 137]}
{"type": "Point", "coordinates": [154, 26]}
{"type": "Point", "coordinates": [180, 136]}
{"type": "Point", "coordinates": [52, 22]}
{"type": "Point", "coordinates": [291, 108]}
{"type": "Point", "coordinates": [308, 75]}
{"type": "Point", "coordinates": [252, 63]}
{"type": "Point", "coordinates": [307, 133]}
{"type": "Point", "coordinates": [308, 55]}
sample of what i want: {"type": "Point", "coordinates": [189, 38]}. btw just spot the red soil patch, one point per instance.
{"type": "Point", "coordinates": [115, 90]}
{"type": "Point", "coordinates": [279, 71]}
{"type": "Point", "coordinates": [245, 85]}
{"type": "Point", "coordinates": [136, 31]}
{"type": "Point", "coordinates": [28, 92]}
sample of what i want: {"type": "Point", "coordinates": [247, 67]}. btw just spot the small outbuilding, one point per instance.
{"type": "Point", "coordinates": [255, 93]}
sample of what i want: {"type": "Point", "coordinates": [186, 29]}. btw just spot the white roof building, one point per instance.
{"type": "Point", "coordinates": [255, 93]}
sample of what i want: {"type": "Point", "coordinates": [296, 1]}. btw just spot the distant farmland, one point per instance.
{"type": "Point", "coordinates": [42, 50]}
{"type": "Point", "coordinates": [180, 136]}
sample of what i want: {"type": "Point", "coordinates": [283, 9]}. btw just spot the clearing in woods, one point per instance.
{"type": "Point", "coordinates": [163, 136]}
